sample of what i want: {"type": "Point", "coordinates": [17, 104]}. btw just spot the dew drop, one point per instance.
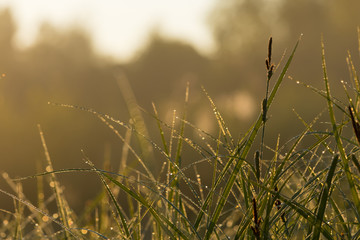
{"type": "Point", "coordinates": [48, 169]}
{"type": "Point", "coordinates": [229, 223]}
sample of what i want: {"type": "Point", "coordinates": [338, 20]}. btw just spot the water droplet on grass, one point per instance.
{"type": "Point", "coordinates": [48, 169]}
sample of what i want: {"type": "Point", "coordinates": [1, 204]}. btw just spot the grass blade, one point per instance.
{"type": "Point", "coordinates": [118, 209]}
{"type": "Point", "coordinates": [246, 149]}
{"type": "Point", "coordinates": [60, 200]}
{"type": "Point", "coordinates": [341, 149]}
{"type": "Point", "coordinates": [324, 198]}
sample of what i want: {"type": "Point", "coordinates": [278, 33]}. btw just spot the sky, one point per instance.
{"type": "Point", "coordinates": [118, 27]}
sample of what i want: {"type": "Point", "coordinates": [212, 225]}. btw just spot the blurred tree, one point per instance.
{"type": "Point", "coordinates": [160, 71]}
{"type": "Point", "coordinates": [7, 27]}
{"type": "Point", "coordinates": [238, 24]}
{"type": "Point", "coordinates": [60, 67]}
{"type": "Point", "coordinates": [241, 26]}
{"type": "Point", "coordinates": [241, 29]}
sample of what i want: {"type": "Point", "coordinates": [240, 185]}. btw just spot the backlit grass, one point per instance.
{"type": "Point", "coordinates": [307, 192]}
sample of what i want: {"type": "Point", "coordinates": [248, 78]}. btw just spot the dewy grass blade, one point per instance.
{"type": "Point", "coordinates": [156, 116]}
{"type": "Point", "coordinates": [228, 139]}
{"type": "Point", "coordinates": [118, 209]}
{"type": "Point", "coordinates": [61, 202]}
{"type": "Point", "coordinates": [341, 149]}
{"type": "Point", "coordinates": [159, 218]}
{"type": "Point", "coordinates": [175, 184]}
{"type": "Point", "coordinates": [31, 206]}
{"type": "Point", "coordinates": [246, 149]}
{"type": "Point", "coordinates": [300, 209]}
{"type": "Point", "coordinates": [324, 198]}
{"type": "Point", "coordinates": [339, 215]}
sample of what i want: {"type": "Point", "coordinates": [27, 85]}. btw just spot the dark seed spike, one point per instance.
{"type": "Point", "coordinates": [356, 125]}
{"type": "Point", "coordinates": [356, 162]}
{"type": "Point", "coordinates": [278, 204]}
{"type": "Point", "coordinates": [264, 109]}
{"type": "Point", "coordinates": [257, 165]}
{"type": "Point", "coordinates": [269, 50]}
{"type": "Point", "coordinates": [255, 211]}
{"type": "Point", "coordinates": [257, 220]}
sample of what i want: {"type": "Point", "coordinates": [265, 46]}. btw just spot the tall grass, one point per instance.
{"type": "Point", "coordinates": [298, 193]}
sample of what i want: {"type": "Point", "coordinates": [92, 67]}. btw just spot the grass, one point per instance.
{"type": "Point", "coordinates": [310, 192]}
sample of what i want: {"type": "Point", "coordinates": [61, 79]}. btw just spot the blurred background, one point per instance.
{"type": "Point", "coordinates": [70, 52]}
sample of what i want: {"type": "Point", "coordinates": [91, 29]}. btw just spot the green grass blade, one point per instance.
{"type": "Point", "coordinates": [31, 206]}
{"type": "Point", "coordinates": [228, 139]}
{"type": "Point", "coordinates": [300, 209]}
{"type": "Point", "coordinates": [246, 149]}
{"type": "Point", "coordinates": [162, 220]}
{"type": "Point", "coordinates": [336, 133]}
{"type": "Point", "coordinates": [339, 215]}
{"type": "Point", "coordinates": [60, 200]}
{"type": "Point", "coordinates": [138, 121]}
{"type": "Point", "coordinates": [324, 198]}
{"type": "Point", "coordinates": [113, 199]}
{"type": "Point", "coordinates": [158, 121]}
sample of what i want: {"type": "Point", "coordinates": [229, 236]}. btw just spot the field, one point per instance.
{"type": "Point", "coordinates": [304, 190]}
